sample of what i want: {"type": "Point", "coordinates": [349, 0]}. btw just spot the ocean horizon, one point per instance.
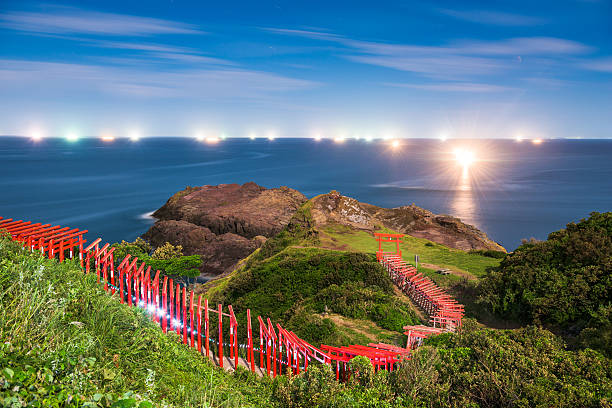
{"type": "Point", "coordinates": [511, 190]}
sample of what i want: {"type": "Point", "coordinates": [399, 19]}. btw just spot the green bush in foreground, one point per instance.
{"type": "Point", "coordinates": [563, 283]}
{"type": "Point", "coordinates": [66, 342]}
{"type": "Point", "coordinates": [479, 368]}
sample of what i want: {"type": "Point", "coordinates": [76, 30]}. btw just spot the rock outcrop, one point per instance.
{"type": "Point", "coordinates": [223, 223]}
{"type": "Point", "coordinates": [412, 220]}
{"type": "Point", "coordinates": [226, 223]}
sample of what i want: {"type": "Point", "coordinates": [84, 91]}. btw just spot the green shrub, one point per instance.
{"type": "Point", "coordinates": [489, 253]}
{"type": "Point", "coordinates": [362, 371]}
{"type": "Point", "coordinates": [564, 283]}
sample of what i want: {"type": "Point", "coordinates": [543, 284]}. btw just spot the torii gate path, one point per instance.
{"type": "Point", "coordinates": [174, 309]}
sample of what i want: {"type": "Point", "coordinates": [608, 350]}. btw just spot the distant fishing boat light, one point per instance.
{"type": "Point", "coordinates": [107, 138]}
{"type": "Point", "coordinates": [36, 135]}
{"type": "Point", "coordinates": [134, 136]}
{"type": "Point", "coordinates": [72, 137]}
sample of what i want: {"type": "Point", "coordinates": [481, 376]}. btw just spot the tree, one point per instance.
{"type": "Point", "coordinates": [168, 258]}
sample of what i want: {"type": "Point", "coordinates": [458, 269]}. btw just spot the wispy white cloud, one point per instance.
{"type": "Point", "coordinates": [524, 46]}
{"type": "Point", "coordinates": [68, 20]}
{"type": "Point", "coordinates": [435, 66]}
{"type": "Point", "coordinates": [461, 61]}
{"type": "Point", "coordinates": [455, 87]}
{"type": "Point", "coordinates": [161, 51]}
{"type": "Point", "coordinates": [492, 17]}
{"type": "Point", "coordinates": [315, 35]}
{"type": "Point", "coordinates": [51, 77]}
{"type": "Point", "coordinates": [601, 65]}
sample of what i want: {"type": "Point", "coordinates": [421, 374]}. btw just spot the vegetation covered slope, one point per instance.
{"type": "Point", "coordinates": [564, 283]}
{"type": "Point", "coordinates": [65, 342]}
{"type": "Point", "coordinates": [325, 296]}
{"type": "Point", "coordinates": [528, 367]}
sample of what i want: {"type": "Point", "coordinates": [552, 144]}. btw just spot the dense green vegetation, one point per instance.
{"type": "Point", "coordinates": [66, 342]}
{"type": "Point", "coordinates": [168, 258]}
{"type": "Point", "coordinates": [564, 283]}
{"type": "Point", "coordinates": [298, 286]}
{"type": "Point", "coordinates": [477, 368]}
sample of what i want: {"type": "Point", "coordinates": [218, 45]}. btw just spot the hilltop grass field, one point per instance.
{"type": "Point", "coordinates": [469, 264]}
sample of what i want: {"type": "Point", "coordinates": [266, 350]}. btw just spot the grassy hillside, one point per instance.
{"type": "Point", "coordinates": [325, 283]}
{"type": "Point", "coordinates": [469, 264]}
{"type": "Point", "coordinates": [66, 342]}
{"type": "Point", "coordinates": [325, 296]}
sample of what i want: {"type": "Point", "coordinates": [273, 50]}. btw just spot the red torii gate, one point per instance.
{"type": "Point", "coordinates": [383, 237]}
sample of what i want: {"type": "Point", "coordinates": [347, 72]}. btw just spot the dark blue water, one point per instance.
{"type": "Point", "coordinates": [512, 191]}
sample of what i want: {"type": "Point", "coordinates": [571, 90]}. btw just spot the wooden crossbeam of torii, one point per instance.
{"type": "Point", "coordinates": [384, 237]}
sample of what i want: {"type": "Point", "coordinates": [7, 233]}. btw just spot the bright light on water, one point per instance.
{"type": "Point", "coordinates": [339, 139]}
{"type": "Point", "coordinates": [36, 135]}
{"type": "Point", "coordinates": [536, 141]}
{"type": "Point", "coordinates": [252, 136]}
{"type": "Point", "coordinates": [72, 137]}
{"type": "Point", "coordinates": [134, 136]}
{"type": "Point", "coordinates": [212, 140]}
{"type": "Point", "coordinates": [464, 157]}
{"type": "Point", "coordinates": [395, 144]}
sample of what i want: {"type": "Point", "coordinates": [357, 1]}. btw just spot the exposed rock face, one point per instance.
{"type": "Point", "coordinates": [223, 223]}
{"type": "Point", "coordinates": [411, 220]}
{"type": "Point", "coordinates": [226, 223]}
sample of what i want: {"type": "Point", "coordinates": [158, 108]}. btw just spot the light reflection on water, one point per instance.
{"type": "Point", "coordinates": [463, 204]}
{"type": "Point", "coordinates": [511, 191]}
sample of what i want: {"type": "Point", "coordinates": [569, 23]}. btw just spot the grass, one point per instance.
{"type": "Point", "coordinates": [343, 237]}
{"type": "Point", "coordinates": [301, 287]}
{"type": "Point", "coordinates": [66, 342]}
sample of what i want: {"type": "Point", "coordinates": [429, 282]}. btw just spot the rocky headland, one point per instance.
{"type": "Point", "coordinates": [223, 223]}
{"type": "Point", "coordinates": [227, 222]}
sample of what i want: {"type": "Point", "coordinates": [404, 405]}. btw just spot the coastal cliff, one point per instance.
{"type": "Point", "coordinates": [223, 223]}
{"type": "Point", "coordinates": [227, 222]}
{"type": "Point", "coordinates": [412, 220]}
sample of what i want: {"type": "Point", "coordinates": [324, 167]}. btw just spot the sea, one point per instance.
{"type": "Point", "coordinates": [511, 190]}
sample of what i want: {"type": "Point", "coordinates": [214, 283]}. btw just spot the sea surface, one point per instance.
{"type": "Point", "coordinates": [511, 190]}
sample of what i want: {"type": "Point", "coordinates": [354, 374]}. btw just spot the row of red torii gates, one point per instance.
{"type": "Point", "coordinates": [445, 313]}
{"type": "Point", "coordinates": [176, 309]}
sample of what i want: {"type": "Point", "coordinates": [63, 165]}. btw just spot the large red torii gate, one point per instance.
{"type": "Point", "coordinates": [384, 237]}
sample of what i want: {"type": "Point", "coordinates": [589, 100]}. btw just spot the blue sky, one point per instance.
{"type": "Point", "coordinates": [405, 69]}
